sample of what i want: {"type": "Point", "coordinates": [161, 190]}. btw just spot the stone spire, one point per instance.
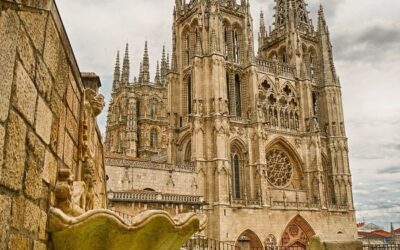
{"type": "Point", "coordinates": [321, 20]}
{"type": "Point", "coordinates": [117, 72]}
{"type": "Point", "coordinates": [282, 17]}
{"type": "Point", "coordinates": [164, 67]}
{"type": "Point", "coordinates": [146, 64]}
{"type": "Point", "coordinates": [178, 5]}
{"type": "Point", "coordinates": [263, 32]}
{"type": "Point", "coordinates": [125, 67]}
{"type": "Point", "coordinates": [157, 79]}
{"type": "Point", "coordinates": [328, 67]}
{"type": "Point", "coordinates": [141, 73]}
{"type": "Point", "coordinates": [168, 61]}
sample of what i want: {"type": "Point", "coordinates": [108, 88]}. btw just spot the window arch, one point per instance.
{"type": "Point", "coordinates": [187, 48]}
{"type": "Point", "coordinates": [188, 153]}
{"type": "Point", "coordinates": [228, 92]}
{"type": "Point", "coordinates": [189, 95]}
{"type": "Point", "coordinates": [235, 45]}
{"type": "Point", "coordinates": [238, 96]}
{"type": "Point", "coordinates": [236, 180]}
{"type": "Point", "coordinates": [153, 109]}
{"type": "Point", "coordinates": [153, 138]}
{"type": "Point", "coordinates": [137, 108]}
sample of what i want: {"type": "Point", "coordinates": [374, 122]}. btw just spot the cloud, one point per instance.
{"type": "Point", "coordinates": [370, 43]}
{"type": "Point", "coordinates": [390, 170]}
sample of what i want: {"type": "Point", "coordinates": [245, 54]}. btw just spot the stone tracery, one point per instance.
{"type": "Point", "coordinates": [279, 109]}
{"type": "Point", "coordinates": [279, 168]}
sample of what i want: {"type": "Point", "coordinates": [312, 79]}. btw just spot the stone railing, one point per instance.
{"type": "Point", "coordinates": [338, 207]}
{"type": "Point", "coordinates": [154, 197]}
{"type": "Point", "coordinates": [123, 162]}
{"type": "Point", "coordinates": [238, 119]}
{"type": "Point", "coordinates": [294, 205]}
{"type": "Point", "coordinates": [276, 68]}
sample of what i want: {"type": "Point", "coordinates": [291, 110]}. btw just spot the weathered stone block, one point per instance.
{"type": "Point", "coordinates": [54, 134]}
{"type": "Point", "coordinates": [61, 77]}
{"type": "Point", "coordinates": [42, 4]}
{"type": "Point", "coordinates": [5, 212]}
{"type": "Point", "coordinates": [2, 137]}
{"type": "Point", "coordinates": [43, 121]}
{"type": "Point", "coordinates": [25, 95]}
{"type": "Point", "coordinates": [72, 126]}
{"type": "Point", "coordinates": [36, 146]}
{"type": "Point", "coordinates": [42, 225]}
{"type": "Point", "coordinates": [18, 242]}
{"type": "Point", "coordinates": [61, 137]}
{"type": "Point", "coordinates": [51, 47]}
{"type": "Point", "coordinates": [329, 243]}
{"type": "Point", "coordinates": [9, 26]}
{"type": "Point", "coordinates": [37, 245]}
{"type": "Point", "coordinates": [50, 169]}
{"type": "Point", "coordinates": [31, 217]}
{"type": "Point", "coordinates": [44, 81]}
{"type": "Point", "coordinates": [14, 163]}
{"type": "Point", "coordinates": [69, 96]}
{"type": "Point", "coordinates": [26, 53]}
{"type": "Point", "coordinates": [68, 151]}
{"type": "Point", "coordinates": [75, 107]}
{"type": "Point", "coordinates": [56, 104]}
{"type": "Point", "coordinates": [33, 177]}
{"type": "Point", "coordinates": [35, 26]}
{"type": "Point", "coordinates": [17, 212]}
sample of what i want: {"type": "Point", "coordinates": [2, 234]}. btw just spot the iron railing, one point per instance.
{"type": "Point", "coordinates": [381, 247]}
{"type": "Point", "coordinates": [283, 248]}
{"type": "Point", "coordinates": [203, 243]}
{"type": "Point", "coordinates": [198, 242]}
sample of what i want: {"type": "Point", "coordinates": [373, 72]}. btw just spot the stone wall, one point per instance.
{"type": "Point", "coordinates": [41, 106]}
{"type": "Point", "coordinates": [160, 180]}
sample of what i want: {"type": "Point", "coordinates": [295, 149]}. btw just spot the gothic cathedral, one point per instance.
{"type": "Point", "coordinates": [254, 139]}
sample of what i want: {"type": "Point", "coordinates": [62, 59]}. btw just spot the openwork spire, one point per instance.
{"type": "Point", "coordinates": [117, 72]}
{"type": "Point", "coordinates": [164, 65]}
{"type": "Point", "coordinates": [141, 73]}
{"type": "Point", "coordinates": [146, 64]}
{"type": "Point", "coordinates": [125, 66]}
{"type": "Point", "coordinates": [262, 24]}
{"type": "Point", "coordinates": [157, 79]}
{"type": "Point", "coordinates": [321, 20]}
{"type": "Point", "coordinates": [282, 12]}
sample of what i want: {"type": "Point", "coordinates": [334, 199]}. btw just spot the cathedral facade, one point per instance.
{"type": "Point", "coordinates": [254, 139]}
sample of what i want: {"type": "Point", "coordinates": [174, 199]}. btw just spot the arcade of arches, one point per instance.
{"type": "Point", "coordinates": [296, 234]}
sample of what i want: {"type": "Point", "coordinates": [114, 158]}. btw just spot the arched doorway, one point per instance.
{"type": "Point", "coordinates": [248, 240]}
{"type": "Point", "coordinates": [297, 233]}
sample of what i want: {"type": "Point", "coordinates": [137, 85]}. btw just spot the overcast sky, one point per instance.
{"type": "Point", "coordinates": [366, 39]}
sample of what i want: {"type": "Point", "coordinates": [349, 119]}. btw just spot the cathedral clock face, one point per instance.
{"type": "Point", "coordinates": [279, 168]}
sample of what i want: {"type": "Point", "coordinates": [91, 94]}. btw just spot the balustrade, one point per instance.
{"type": "Point", "coordinates": [155, 197]}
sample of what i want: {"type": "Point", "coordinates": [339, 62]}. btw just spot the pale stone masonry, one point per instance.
{"type": "Point", "coordinates": [51, 153]}
{"type": "Point", "coordinates": [263, 128]}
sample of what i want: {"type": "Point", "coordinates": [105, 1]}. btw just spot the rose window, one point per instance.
{"type": "Point", "coordinates": [279, 168]}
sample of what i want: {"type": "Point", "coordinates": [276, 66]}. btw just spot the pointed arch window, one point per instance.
{"type": "Point", "coordinates": [236, 176]}
{"type": "Point", "coordinates": [138, 108]}
{"type": "Point", "coordinates": [187, 49]}
{"type": "Point", "coordinates": [226, 44]}
{"type": "Point", "coordinates": [235, 43]}
{"type": "Point", "coordinates": [153, 110]}
{"type": "Point", "coordinates": [228, 92]}
{"type": "Point", "coordinates": [188, 153]}
{"type": "Point", "coordinates": [189, 96]}
{"type": "Point", "coordinates": [238, 96]}
{"type": "Point", "coordinates": [153, 138]}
